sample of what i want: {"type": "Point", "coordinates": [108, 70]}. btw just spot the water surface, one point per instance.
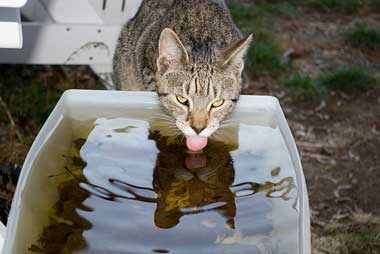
{"type": "Point", "coordinates": [126, 188]}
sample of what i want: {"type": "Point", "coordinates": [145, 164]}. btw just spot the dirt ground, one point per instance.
{"type": "Point", "coordinates": [339, 142]}
{"type": "Point", "coordinates": [338, 134]}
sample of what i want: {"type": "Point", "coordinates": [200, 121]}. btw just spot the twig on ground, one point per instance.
{"type": "Point", "coordinates": [311, 145]}
{"type": "Point", "coordinates": [323, 250]}
{"type": "Point", "coordinates": [319, 157]}
{"type": "Point", "coordinates": [334, 181]}
{"type": "Point", "coordinates": [10, 118]}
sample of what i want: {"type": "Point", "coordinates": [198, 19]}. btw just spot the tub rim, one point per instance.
{"type": "Point", "coordinates": [73, 97]}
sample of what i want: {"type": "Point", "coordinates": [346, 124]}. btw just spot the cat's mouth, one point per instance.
{"type": "Point", "coordinates": [196, 143]}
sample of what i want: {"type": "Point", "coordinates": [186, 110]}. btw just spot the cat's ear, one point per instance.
{"type": "Point", "coordinates": [171, 51]}
{"type": "Point", "coordinates": [233, 57]}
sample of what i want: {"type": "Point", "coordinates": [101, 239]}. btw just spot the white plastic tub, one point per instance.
{"type": "Point", "coordinates": [87, 105]}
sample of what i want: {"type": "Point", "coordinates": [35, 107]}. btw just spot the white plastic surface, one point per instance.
{"type": "Point", "coordinates": [2, 235]}
{"type": "Point", "coordinates": [91, 11]}
{"type": "Point", "coordinates": [85, 104]}
{"type": "Point", "coordinates": [88, 28]}
{"type": "Point", "coordinates": [10, 28]}
{"type": "Point", "coordinates": [12, 3]}
{"type": "Point", "coordinates": [64, 44]}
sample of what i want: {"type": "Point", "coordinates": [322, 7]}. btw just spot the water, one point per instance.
{"type": "Point", "coordinates": [122, 187]}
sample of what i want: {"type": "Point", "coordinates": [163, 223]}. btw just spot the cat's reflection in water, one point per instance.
{"type": "Point", "coordinates": [188, 183]}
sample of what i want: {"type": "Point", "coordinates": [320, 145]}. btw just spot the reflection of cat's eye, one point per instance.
{"type": "Point", "coordinates": [182, 100]}
{"type": "Point", "coordinates": [218, 103]}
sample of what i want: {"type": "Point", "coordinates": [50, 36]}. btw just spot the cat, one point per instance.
{"type": "Point", "coordinates": [191, 53]}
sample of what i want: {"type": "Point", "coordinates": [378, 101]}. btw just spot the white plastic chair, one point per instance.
{"type": "Point", "coordinates": [10, 24]}
{"type": "Point", "coordinates": [71, 32]}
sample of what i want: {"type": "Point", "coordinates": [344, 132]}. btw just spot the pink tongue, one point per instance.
{"type": "Point", "coordinates": [196, 143]}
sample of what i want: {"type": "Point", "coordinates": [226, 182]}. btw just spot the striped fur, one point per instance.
{"type": "Point", "coordinates": [186, 48]}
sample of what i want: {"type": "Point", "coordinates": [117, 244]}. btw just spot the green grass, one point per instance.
{"type": "Point", "coordinates": [31, 92]}
{"type": "Point", "coordinates": [348, 79]}
{"type": "Point", "coordinates": [282, 8]}
{"type": "Point", "coordinates": [239, 11]}
{"type": "Point", "coordinates": [262, 9]}
{"type": "Point", "coordinates": [363, 36]}
{"type": "Point", "coordinates": [249, 17]}
{"type": "Point", "coordinates": [301, 86]}
{"type": "Point", "coordinates": [268, 8]}
{"type": "Point", "coordinates": [344, 79]}
{"type": "Point", "coordinates": [370, 236]}
{"type": "Point", "coordinates": [345, 6]}
{"type": "Point", "coordinates": [264, 58]}
{"type": "Point", "coordinates": [243, 16]}
{"type": "Point", "coordinates": [364, 241]}
{"type": "Point", "coordinates": [374, 5]}
{"type": "Point", "coordinates": [26, 95]}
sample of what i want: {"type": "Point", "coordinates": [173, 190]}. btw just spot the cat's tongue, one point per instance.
{"type": "Point", "coordinates": [196, 143]}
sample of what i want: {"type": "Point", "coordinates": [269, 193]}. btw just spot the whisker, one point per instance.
{"type": "Point", "coordinates": [169, 127]}
{"type": "Point", "coordinates": [162, 114]}
{"type": "Point", "coordinates": [228, 121]}
{"type": "Point", "coordinates": [221, 132]}
{"type": "Point", "coordinates": [162, 118]}
{"type": "Point", "coordinates": [227, 124]}
{"type": "Point", "coordinates": [169, 133]}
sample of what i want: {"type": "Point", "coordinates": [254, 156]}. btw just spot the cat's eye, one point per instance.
{"type": "Point", "coordinates": [182, 100]}
{"type": "Point", "coordinates": [218, 103]}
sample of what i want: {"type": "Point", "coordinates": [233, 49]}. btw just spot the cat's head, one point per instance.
{"type": "Point", "coordinates": [199, 94]}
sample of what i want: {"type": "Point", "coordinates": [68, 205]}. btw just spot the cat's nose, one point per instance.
{"type": "Point", "coordinates": [198, 129]}
{"type": "Point", "coordinates": [198, 121]}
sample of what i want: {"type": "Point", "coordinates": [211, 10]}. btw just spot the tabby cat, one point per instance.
{"type": "Point", "coordinates": [191, 53]}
